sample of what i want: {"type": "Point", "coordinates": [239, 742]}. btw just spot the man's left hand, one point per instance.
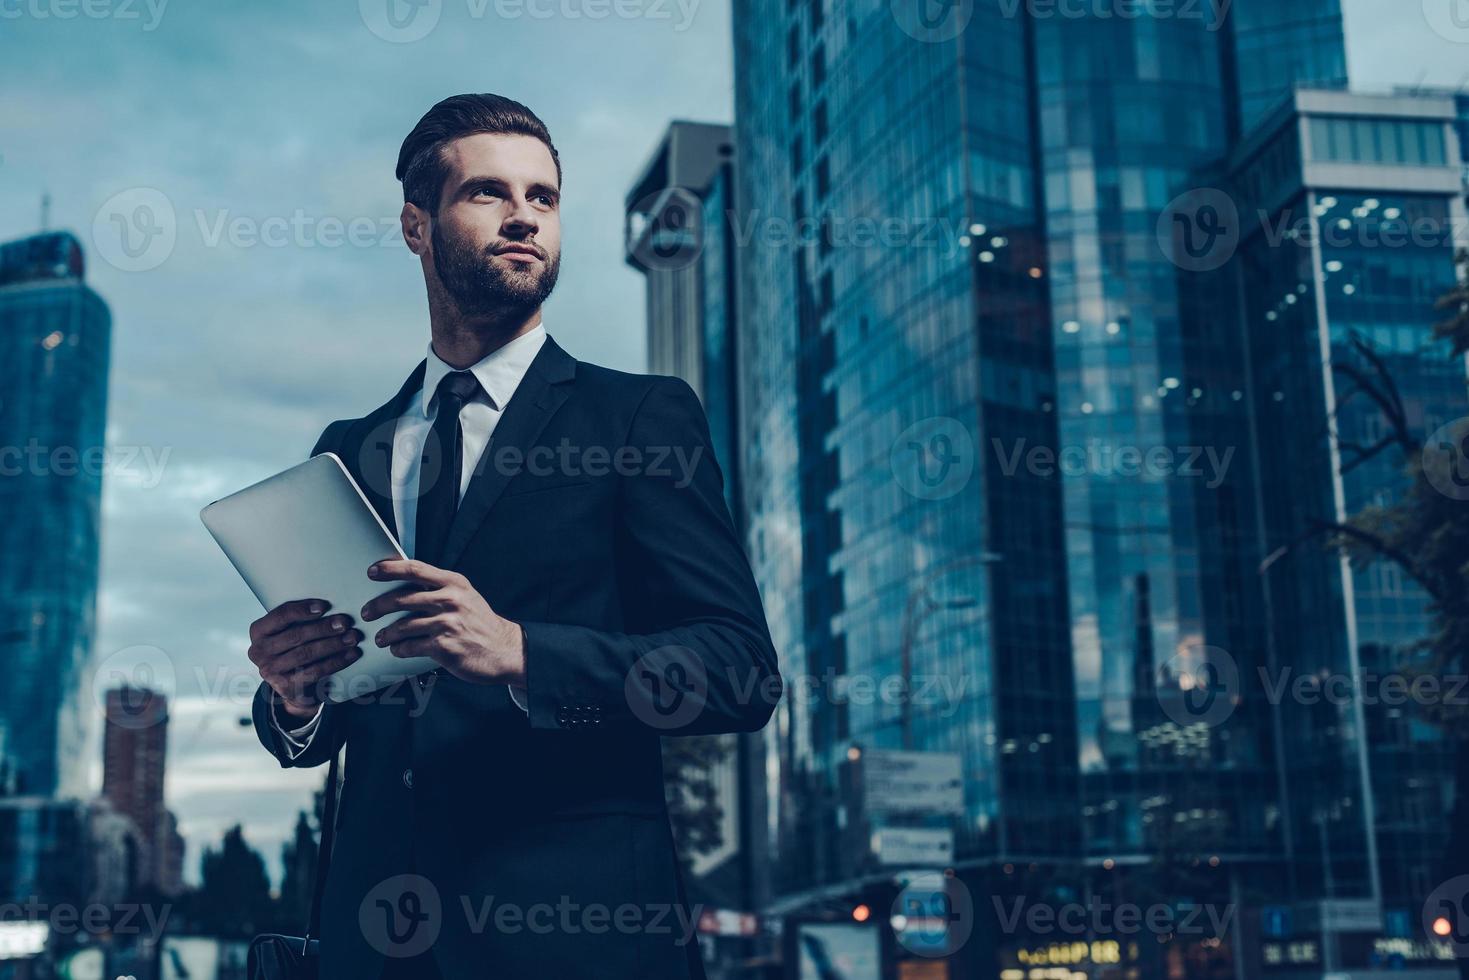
{"type": "Point", "coordinates": [450, 622]}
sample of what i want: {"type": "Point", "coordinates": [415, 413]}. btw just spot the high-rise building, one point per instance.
{"type": "Point", "coordinates": [987, 439]}
{"type": "Point", "coordinates": [1276, 46]}
{"type": "Point", "coordinates": [1349, 209]}
{"type": "Point", "coordinates": [134, 755]}
{"type": "Point", "coordinates": [876, 513]}
{"type": "Point", "coordinates": [682, 224]}
{"type": "Point", "coordinates": [54, 350]}
{"type": "Point", "coordinates": [680, 237]}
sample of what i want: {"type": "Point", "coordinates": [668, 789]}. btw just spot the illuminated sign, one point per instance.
{"type": "Point", "coordinates": [19, 940]}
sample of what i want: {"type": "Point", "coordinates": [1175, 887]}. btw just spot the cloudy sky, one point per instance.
{"type": "Point", "coordinates": [261, 138]}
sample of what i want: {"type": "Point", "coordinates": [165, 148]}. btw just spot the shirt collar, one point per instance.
{"type": "Point", "coordinates": [499, 372]}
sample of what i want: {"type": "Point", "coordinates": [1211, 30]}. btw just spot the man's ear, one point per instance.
{"type": "Point", "coordinates": [416, 229]}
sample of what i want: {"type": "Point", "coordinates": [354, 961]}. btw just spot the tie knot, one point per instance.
{"type": "Point", "coordinates": [459, 387]}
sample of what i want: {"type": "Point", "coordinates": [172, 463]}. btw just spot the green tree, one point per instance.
{"type": "Point", "coordinates": [234, 900]}
{"type": "Point", "coordinates": [689, 766]}
{"type": "Point", "coordinates": [298, 857]}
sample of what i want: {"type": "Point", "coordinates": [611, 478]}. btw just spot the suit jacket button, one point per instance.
{"type": "Point", "coordinates": [408, 778]}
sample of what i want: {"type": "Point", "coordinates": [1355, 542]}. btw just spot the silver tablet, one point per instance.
{"type": "Point", "coordinates": [310, 533]}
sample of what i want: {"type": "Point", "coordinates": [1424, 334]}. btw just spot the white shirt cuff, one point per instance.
{"type": "Point", "coordinates": [519, 696]}
{"type": "Point", "coordinates": [297, 739]}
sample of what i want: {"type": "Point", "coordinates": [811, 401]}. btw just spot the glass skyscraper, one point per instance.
{"type": "Point", "coordinates": [1350, 206]}
{"type": "Point", "coordinates": [1012, 295]}
{"type": "Point", "coordinates": [873, 508]}
{"type": "Point", "coordinates": [54, 344]}
{"type": "Point", "coordinates": [1275, 46]}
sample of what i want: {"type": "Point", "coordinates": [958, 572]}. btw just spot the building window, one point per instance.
{"type": "Point", "coordinates": [1386, 141]}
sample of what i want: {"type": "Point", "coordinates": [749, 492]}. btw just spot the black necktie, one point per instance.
{"type": "Point", "coordinates": [441, 467]}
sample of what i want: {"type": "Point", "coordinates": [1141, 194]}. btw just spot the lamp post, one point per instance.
{"type": "Point", "coordinates": [921, 604]}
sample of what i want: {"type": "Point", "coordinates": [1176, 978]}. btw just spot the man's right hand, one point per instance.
{"type": "Point", "coordinates": [295, 646]}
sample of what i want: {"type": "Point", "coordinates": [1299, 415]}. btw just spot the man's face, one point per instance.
{"type": "Point", "coordinates": [496, 241]}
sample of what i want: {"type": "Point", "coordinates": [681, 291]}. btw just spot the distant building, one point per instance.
{"type": "Point", "coordinates": [54, 350]}
{"type": "Point", "coordinates": [134, 755]}
{"type": "Point", "coordinates": [681, 223]}
{"type": "Point", "coordinates": [58, 859]}
{"type": "Point", "coordinates": [679, 234]}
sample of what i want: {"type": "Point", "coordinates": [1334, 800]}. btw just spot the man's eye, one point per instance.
{"type": "Point", "coordinates": [486, 191]}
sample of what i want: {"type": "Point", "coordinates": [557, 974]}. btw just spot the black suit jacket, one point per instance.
{"type": "Point", "coordinates": [514, 844]}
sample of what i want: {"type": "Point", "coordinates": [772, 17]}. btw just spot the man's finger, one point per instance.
{"type": "Point", "coordinates": [314, 672]}
{"type": "Point", "coordinates": [411, 598]}
{"type": "Point", "coordinates": [309, 653]}
{"type": "Point", "coordinates": [418, 646]}
{"type": "Point", "coordinates": [301, 634]}
{"type": "Point", "coordinates": [409, 626]}
{"type": "Point", "coordinates": [409, 570]}
{"type": "Point", "coordinates": [285, 615]}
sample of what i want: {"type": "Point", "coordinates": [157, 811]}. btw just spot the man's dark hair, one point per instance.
{"type": "Point", "coordinates": [421, 161]}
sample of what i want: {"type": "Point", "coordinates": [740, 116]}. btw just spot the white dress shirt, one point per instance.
{"type": "Point", "coordinates": [499, 373]}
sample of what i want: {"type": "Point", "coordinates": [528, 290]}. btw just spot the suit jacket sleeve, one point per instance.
{"type": "Point", "coordinates": [698, 657]}
{"type": "Point", "coordinates": [328, 735]}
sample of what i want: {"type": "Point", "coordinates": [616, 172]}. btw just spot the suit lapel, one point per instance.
{"type": "Point", "coordinates": [370, 449]}
{"type": "Point", "coordinates": [540, 393]}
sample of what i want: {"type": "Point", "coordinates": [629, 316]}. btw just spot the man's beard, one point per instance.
{"type": "Point", "coordinates": [480, 286]}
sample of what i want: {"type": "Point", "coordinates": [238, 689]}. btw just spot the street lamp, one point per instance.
{"type": "Point", "coordinates": [921, 605]}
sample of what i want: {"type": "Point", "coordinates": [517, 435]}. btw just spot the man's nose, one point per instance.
{"type": "Point", "coordinates": [522, 218]}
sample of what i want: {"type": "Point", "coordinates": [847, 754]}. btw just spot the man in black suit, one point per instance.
{"type": "Point", "coordinates": [576, 577]}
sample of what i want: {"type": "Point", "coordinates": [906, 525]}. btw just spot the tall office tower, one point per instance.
{"type": "Point", "coordinates": [680, 223]}
{"type": "Point", "coordinates": [896, 375]}
{"type": "Point", "coordinates": [134, 756]}
{"type": "Point", "coordinates": [54, 346]}
{"type": "Point", "coordinates": [1273, 46]}
{"type": "Point", "coordinates": [969, 452]}
{"type": "Point", "coordinates": [1350, 209]}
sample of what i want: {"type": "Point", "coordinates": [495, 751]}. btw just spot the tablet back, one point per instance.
{"type": "Point", "coordinates": [309, 532]}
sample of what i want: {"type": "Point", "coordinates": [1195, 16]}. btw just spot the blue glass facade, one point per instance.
{"type": "Point", "coordinates": [1276, 45]}
{"type": "Point", "coordinates": [1343, 271]}
{"type": "Point", "coordinates": [861, 340]}
{"type": "Point", "coordinates": [1072, 605]}
{"type": "Point", "coordinates": [54, 344]}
